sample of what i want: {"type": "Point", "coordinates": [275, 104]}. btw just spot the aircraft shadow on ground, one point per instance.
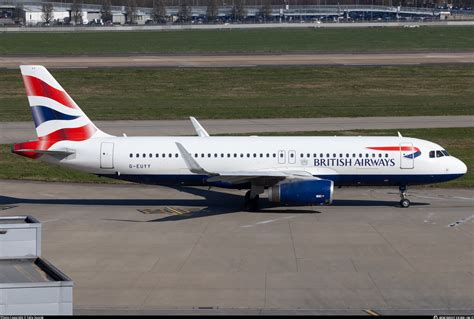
{"type": "Point", "coordinates": [216, 203]}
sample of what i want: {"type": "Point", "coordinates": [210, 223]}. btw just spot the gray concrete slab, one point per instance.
{"type": "Point", "coordinates": [240, 60]}
{"type": "Point", "coordinates": [362, 253]}
{"type": "Point", "coordinates": [13, 132]}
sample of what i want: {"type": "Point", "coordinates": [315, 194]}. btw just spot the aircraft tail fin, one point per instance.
{"type": "Point", "coordinates": [56, 115]}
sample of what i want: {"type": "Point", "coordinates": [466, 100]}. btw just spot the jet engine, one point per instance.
{"type": "Point", "coordinates": [302, 192]}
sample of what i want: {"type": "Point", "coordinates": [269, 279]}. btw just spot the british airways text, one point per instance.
{"type": "Point", "coordinates": [364, 162]}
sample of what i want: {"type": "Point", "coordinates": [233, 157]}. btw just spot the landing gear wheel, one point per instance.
{"type": "Point", "coordinates": [405, 203]}
{"type": "Point", "coordinates": [251, 204]}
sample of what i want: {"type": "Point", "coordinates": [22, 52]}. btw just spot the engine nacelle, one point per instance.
{"type": "Point", "coordinates": [302, 192]}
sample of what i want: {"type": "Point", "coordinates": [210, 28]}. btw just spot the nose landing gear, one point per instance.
{"type": "Point", "coordinates": [404, 202]}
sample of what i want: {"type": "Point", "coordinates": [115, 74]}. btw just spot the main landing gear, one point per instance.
{"type": "Point", "coordinates": [252, 197]}
{"type": "Point", "coordinates": [404, 202]}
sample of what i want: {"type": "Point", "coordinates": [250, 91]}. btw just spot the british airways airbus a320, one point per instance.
{"type": "Point", "coordinates": [291, 170]}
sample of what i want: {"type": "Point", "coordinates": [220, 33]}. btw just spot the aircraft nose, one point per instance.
{"type": "Point", "coordinates": [461, 168]}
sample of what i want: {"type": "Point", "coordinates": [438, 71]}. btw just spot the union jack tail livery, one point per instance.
{"type": "Point", "coordinates": [55, 114]}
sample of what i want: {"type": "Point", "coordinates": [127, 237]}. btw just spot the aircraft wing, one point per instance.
{"type": "Point", "coordinates": [260, 177]}
{"type": "Point", "coordinates": [198, 127]}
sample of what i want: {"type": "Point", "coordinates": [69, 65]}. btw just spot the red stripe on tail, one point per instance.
{"type": "Point", "coordinates": [45, 142]}
{"type": "Point", "coordinates": [37, 87]}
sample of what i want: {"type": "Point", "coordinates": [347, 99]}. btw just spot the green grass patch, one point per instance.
{"type": "Point", "coordinates": [176, 93]}
{"type": "Point", "coordinates": [240, 41]}
{"type": "Point", "coordinates": [458, 141]}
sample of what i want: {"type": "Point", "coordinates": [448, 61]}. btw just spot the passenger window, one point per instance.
{"type": "Point", "coordinates": [327, 155]}
{"type": "Point", "coordinates": [321, 155]}
{"type": "Point", "coordinates": [208, 154]}
{"type": "Point", "coordinates": [202, 155]}
{"type": "Point", "coordinates": [281, 154]}
{"type": "Point", "coordinates": [308, 155]}
{"type": "Point", "coordinates": [432, 154]}
{"type": "Point", "coordinates": [150, 155]}
{"type": "Point", "coordinates": [353, 155]}
{"type": "Point", "coordinates": [373, 154]}
{"type": "Point", "coordinates": [366, 155]}
{"type": "Point", "coordinates": [254, 155]}
{"type": "Point", "coordinates": [196, 155]}
{"type": "Point", "coordinates": [261, 154]}
{"type": "Point", "coordinates": [176, 155]}
{"type": "Point", "coordinates": [137, 155]}
{"type": "Point", "coordinates": [360, 154]}
{"type": "Point", "coordinates": [386, 155]}
{"type": "Point", "coordinates": [215, 154]}
{"type": "Point", "coordinates": [222, 155]}
{"type": "Point", "coordinates": [157, 155]}
{"type": "Point", "coordinates": [333, 155]}
{"type": "Point", "coordinates": [143, 155]}
{"type": "Point", "coordinates": [228, 154]}
{"type": "Point", "coordinates": [347, 155]}
{"type": "Point", "coordinates": [274, 155]}
{"type": "Point", "coordinates": [170, 155]}
{"type": "Point", "coordinates": [248, 155]}
{"type": "Point", "coordinates": [131, 155]}
{"type": "Point", "coordinates": [340, 155]}
{"type": "Point", "coordinates": [315, 155]}
{"type": "Point", "coordinates": [241, 155]}
{"type": "Point", "coordinates": [380, 154]}
{"type": "Point", "coordinates": [301, 155]}
{"type": "Point", "coordinates": [268, 155]}
{"type": "Point", "coordinates": [235, 154]}
{"type": "Point", "coordinates": [164, 155]}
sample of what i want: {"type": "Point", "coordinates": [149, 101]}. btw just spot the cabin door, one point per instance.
{"type": "Point", "coordinates": [281, 157]}
{"type": "Point", "coordinates": [107, 155]}
{"type": "Point", "coordinates": [407, 157]}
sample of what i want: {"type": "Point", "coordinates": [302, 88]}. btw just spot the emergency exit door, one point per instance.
{"type": "Point", "coordinates": [107, 155]}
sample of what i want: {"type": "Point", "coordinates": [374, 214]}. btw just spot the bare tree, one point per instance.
{"type": "Point", "coordinates": [131, 11]}
{"type": "Point", "coordinates": [47, 13]}
{"type": "Point", "coordinates": [19, 14]}
{"type": "Point", "coordinates": [159, 11]}
{"type": "Point", "coordinates": [238, 10]}
{"type": "Point", "coordinates": [106, 11]}
{"type": "Point", "coordinates": [212, 10]}
{"type": "Point", "coordinates": [76, 12]}
{"type": "Point", "coordinates": [184, 13]}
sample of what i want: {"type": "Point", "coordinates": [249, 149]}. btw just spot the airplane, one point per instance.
{"type": "Point", "coordinates": [290, 170]}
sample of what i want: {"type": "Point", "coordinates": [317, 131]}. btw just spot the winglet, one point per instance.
{"type": "Point", "coordinates": [191, 163]}
{"type": "Point", "coordinates": [198, 127]}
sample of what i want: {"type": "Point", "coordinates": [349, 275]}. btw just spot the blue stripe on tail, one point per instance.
{"type": "Point", "coordinates": [43, 114]}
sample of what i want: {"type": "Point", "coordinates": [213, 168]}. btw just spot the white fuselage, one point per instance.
{"type": "Point", "coordinates": [345, 160]}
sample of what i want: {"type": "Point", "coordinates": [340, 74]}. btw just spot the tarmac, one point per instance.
{"type": "Point", "coordinates": [14, 132]}
{"type": "Point", "coordinates": [240, 60]}
{"type": "Point", "coordinates": [135, 249]}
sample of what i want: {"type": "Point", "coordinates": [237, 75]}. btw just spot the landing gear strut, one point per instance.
{"type": "Point", "coordinates": [251, 204]}
{"type": "Point", "coordinates": [404, 202]}
{"type": "Point", "coordinates": [251, 198]}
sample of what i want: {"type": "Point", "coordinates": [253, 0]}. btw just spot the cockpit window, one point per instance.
{"type": "Point", "coordinates": [432, 154]}
{"type": "Point", "coordinates": [439, 154]}
{"type": "Point", "coordinates": [445, 153]}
